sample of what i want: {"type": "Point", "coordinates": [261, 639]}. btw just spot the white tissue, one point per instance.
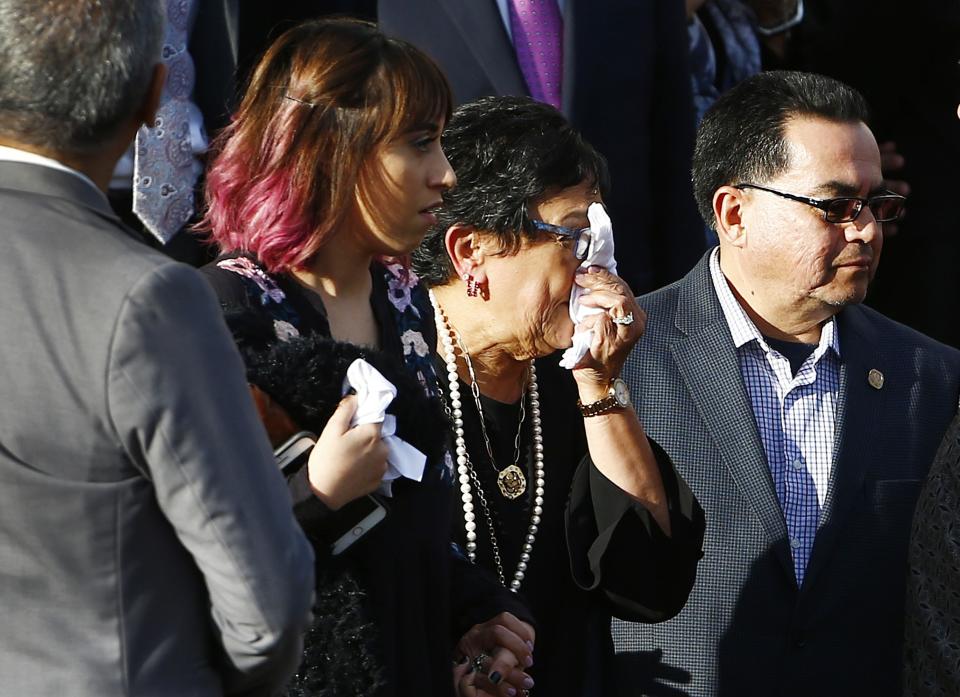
{"type": "Point", "coordinates": [374, 395]}
{"type": "Point", "coordinates": [600, 254]}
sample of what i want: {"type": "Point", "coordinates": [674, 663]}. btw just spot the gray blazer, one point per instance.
{"type": "Point", "coordinates": [747, 629]}
{"type": "Point", "coordinates": [147, 545]}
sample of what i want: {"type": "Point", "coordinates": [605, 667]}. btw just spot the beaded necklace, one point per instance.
{"type": "Point", "coordinates": [467, 475]}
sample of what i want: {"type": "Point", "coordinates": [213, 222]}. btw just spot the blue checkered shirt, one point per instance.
{"type": "Point", "coordinates": [796, 416]}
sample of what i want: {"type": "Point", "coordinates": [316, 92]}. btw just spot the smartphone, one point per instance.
{"type": "Point", "coordinates": [358, 518]}
{"type": "Point", "coordinates": [351, 522]}
{"type": "Point", "coordinates": [294, 453]}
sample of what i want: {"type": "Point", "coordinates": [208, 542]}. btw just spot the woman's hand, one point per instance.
{"type": "Point", "coordinates": [618, 445]}
{"type": "Point", "coordinates": [469, 680]}
{"type": "Point", "coordinates": [346, 463]}
{"type": "Point", "coordinates": [503, 647]}
{"type": "Point", "coordinates": [612, 342]}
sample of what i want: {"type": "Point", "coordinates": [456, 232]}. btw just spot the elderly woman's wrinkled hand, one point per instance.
{"type": "Point", "coordinates": [612, 341]}
{"type": "Point", "coordinates": [499, 650]}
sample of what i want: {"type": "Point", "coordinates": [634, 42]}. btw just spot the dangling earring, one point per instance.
{"type": "Point", "coordinates": [473, 288]}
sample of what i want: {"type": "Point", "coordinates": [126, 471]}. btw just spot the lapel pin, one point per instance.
{"type": "Point", "coordinates": [875, 378]}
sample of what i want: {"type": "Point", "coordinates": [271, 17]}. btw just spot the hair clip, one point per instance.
{"type": "Point", "coordinates": [299, 101]}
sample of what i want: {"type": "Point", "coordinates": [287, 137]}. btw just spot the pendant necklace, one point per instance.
{"type": "Point", "coordinates": [467, 475]}
{"type": "Point", "coordinates": [510, 479]}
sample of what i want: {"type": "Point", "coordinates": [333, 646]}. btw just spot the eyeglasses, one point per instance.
{"type": "Point", "coordinates": [785, 25]}
{"type": "Point", "coordinates": [581, 237]}
{"type": "Point", "coordinates": [845, 209]}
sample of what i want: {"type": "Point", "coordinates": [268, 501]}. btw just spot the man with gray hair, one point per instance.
{"type": "Point", "coordinates": [147, 546]}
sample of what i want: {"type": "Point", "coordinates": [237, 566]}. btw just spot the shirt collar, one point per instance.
{"type": "Point", "coordinates": [8, 154]}
{"type": "Point", "coordinates": [742, 328]}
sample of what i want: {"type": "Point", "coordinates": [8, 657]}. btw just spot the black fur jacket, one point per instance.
{"type": "Point", "coordinates": [305, 376]}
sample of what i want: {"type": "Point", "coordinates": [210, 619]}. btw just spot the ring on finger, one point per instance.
{"type": "Point", "coordinates": [478, 661]}
{"type": "Point", "coordinates": [624, 321]}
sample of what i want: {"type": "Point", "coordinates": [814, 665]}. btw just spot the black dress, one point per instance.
{"type": "Point", "coordinates": [597, 552]}
{"type": "Point", "coordinates": [932, 623]}
{"type": "Point", "coordinates": [420, 596]}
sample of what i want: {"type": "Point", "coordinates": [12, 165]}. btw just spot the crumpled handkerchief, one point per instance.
{"type": "Point", "coordinates": [374, 395]}
{"type": "Point", "coordinates": [600, 254]}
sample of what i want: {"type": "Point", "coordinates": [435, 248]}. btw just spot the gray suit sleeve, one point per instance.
{"type": "Point", "coordinates": [181, 407]}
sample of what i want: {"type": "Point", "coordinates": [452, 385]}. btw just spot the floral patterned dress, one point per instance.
{"type": "Point", "coordinates": [422, 597]}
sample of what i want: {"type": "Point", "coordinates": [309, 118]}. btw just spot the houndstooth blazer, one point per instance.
{"type": "Point", "coordinates": [747, 629]}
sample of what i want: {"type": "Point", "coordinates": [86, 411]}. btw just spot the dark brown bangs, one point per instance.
{"type": "Point", "coordinates": [417, 90]}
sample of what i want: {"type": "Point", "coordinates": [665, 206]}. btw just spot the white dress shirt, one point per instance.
{"type": "Point", "coordinates": [8, 154]}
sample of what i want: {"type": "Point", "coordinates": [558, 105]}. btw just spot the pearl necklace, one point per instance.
{"type": "Point", "coordinates": [465, 471]}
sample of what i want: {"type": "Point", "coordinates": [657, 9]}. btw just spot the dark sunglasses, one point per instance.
{"type": "Point", "coordinates": [845, 209]}
{"type": "Point", "coordinates": [581, 237]}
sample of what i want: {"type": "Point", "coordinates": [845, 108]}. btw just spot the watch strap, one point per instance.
{"type": "Point", "coordinates": [606, 404]}
{"type": "Point", "coordinates": [601, 406]}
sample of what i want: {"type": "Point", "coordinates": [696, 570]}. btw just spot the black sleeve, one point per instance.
{"type": "Point", "coordinates": [477, 596]}
{"type": "Point", "coordinates": [311, 512]}
{"type": "Point", "coordinates": [618, 550]}
{"type": "Point", "coordinates": [229, 287]}
{"type": "Point", "coordinates": [249, 324]}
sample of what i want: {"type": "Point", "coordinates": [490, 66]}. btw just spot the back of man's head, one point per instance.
{"type": "Point", "coordinates": [72, 72]}
{"type": "Point", "coordinates": [742, 136]}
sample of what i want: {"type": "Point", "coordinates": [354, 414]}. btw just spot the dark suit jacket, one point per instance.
{"type": "Point", "coordinates": [262, 22]}
{"type": "Point", "coordinates": [747, 629]}
{"type": "Point", "coordinates": [147, 546]}
{"type": "Point", "coordinates": [626, 88]}
{"type": "Point", "coordinates": [214, 43]}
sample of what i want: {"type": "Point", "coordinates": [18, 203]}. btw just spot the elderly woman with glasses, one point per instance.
{"type": "Point", "coordinates": [561, 494]}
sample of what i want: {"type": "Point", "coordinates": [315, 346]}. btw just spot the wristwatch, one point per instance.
{"type": "Point", "coordinates": [618, 397]}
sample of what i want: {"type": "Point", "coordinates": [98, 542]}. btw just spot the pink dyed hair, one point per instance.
{"type": "Point", "coordinates": [324, 97]}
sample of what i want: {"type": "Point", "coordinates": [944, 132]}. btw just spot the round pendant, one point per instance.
{"type": "Point", "coordinates": [511, 481]}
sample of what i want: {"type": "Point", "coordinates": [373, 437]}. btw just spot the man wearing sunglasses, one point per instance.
{"type": "Point", "coordinates": [803, 421]}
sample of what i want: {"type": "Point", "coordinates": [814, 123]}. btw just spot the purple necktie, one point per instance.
{"type": "Point", "coordinates": [165, 170]}
{"type": "Point", "coordinates": [538, 40]}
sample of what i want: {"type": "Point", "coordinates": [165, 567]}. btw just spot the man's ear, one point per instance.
{"type": "Point", "coordinates": [728, 216]}
{"type": "Point", "coordinates": [466, 251]}
{"type": "Point", "coordinates": [147, 113]}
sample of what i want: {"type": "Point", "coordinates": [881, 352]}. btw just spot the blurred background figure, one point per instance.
{"type": "Point", "coordinates": [618, 69]}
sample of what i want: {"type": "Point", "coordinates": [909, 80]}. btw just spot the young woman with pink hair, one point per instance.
{"type": "Point", "coordinates": [327, 178]}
